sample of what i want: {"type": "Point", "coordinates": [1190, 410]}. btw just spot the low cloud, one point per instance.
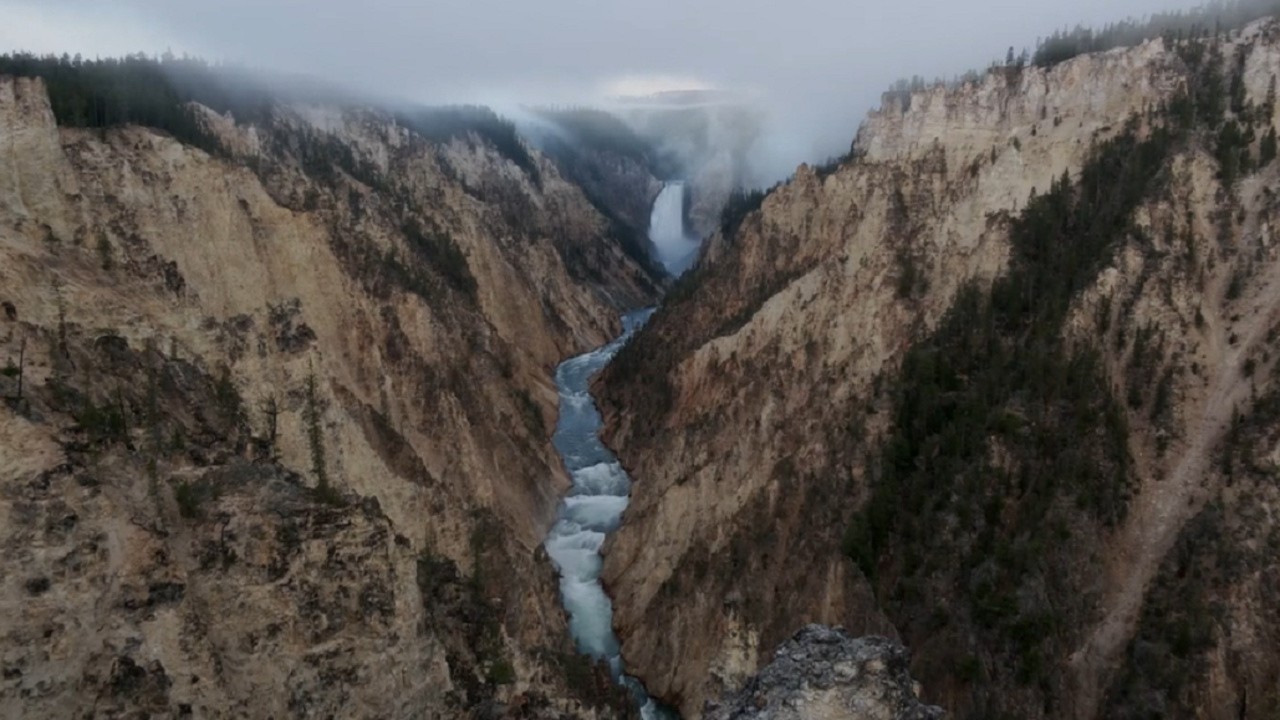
{"type": "Point", "coordinates": [814, 67]}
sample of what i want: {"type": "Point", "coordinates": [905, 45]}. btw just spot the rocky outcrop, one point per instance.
{"type": "Point", "coordinates": [751, 411]}
{"type": "Point", "coordinates": [824, 673]}
{"type": "Point", "coordinates": [276, 425]}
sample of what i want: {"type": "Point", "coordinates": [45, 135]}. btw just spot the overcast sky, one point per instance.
{"type": "Point", "coordinates": [817, 65]}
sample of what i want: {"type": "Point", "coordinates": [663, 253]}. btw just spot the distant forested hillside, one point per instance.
{"type": "Point", "coordinates": [156, 92]}
{"type": "Point", "coordinates": [1202, 22]}
{"type": "Point", "coordinates": [599, 131]}
{"type": "Point", "coordinates": [1211, 18]}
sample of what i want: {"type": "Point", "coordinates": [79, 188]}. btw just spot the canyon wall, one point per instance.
{"type": "Point", "coordinates": [276, 425]}
{"type": "Point", "coordinates": [766, 413]}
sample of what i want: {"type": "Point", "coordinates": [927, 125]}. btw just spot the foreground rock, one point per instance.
{"type": "Point", "coordinates": [824, 673]}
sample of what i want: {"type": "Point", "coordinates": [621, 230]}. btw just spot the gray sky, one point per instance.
{"type": "Point", "coordinates": [817, 65]}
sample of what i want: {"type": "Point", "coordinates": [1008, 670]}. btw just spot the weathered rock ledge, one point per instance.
{"type": "Point", "coordinates": [822, 672]}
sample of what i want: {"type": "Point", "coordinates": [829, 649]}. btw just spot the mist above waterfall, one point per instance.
{"type": "Point", "coordinates": [811, 67]}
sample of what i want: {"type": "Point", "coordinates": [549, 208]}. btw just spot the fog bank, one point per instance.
{"type": "Point", "coordinates": [813, 67]}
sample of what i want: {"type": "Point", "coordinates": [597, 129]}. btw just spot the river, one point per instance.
{"type": "Point", "coordinates": [592, 509]}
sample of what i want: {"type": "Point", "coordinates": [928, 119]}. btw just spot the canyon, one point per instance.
{"type": "Point", "coordinates": [313, 408]}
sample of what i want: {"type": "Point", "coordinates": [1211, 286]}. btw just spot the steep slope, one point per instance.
{"type": "Point", "coordinates": [276, 431]}
{"type": "Point", "coordinates": [906, 357]}
{"type": "Point", "coordinates": [617, 169]}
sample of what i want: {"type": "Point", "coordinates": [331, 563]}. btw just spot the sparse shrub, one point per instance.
{"type": "Point", "coordinates": [740, 204]}
{"type": "Point", "coordinates": [968, 669]}
{"type": "Point", "coordinates": [191, 497]}
{"type": "Point", "coordinates": [314, 418]}
{"type": "Point", "coordinates": [104, 422]}
{"type": "Point", "coordinates": [501, 672]}
{"type": "Point", "coordinates": [271, 413]}
{"type": "Point", "coordinates": [531, 414]}
{"type": "Point", "coordinates": [441, 253]}
{"type": "Point", "coordinates": [105, 255]}
{"type": "Point", "coordinates": [227, 397]}
{"type": "Point", "coordinates": [37, 585]}
{"type": "Point", "coordinates": [1267, 150]}
{"type": "Point", "coordinates": [912, 280]}
{"type": "Point", "coordinates": [1235, 288]}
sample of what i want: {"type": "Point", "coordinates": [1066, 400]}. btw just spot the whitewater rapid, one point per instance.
{"type": "Point", "coordinates": [592, 509]}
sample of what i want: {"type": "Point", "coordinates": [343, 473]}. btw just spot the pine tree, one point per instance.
{"type": "Point", "coordinates": [315, 434]}
{"type": "Point", "coordinates": [1268, 150]}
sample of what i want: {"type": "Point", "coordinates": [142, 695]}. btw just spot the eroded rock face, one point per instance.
{"type": "Point", "coordinates": [822, 672]}
{"type": "Point", "coordinates": [733, 409]}
{"type": "Point", "coordinates": [276, 434]}
{"type": "Point", "coordinates": [750, 410]}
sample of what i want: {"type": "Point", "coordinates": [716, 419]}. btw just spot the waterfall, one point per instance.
{"type": "Point", "coordinates": [592, 509]}
{"type": "Point", "coordinates": [676, 250]}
